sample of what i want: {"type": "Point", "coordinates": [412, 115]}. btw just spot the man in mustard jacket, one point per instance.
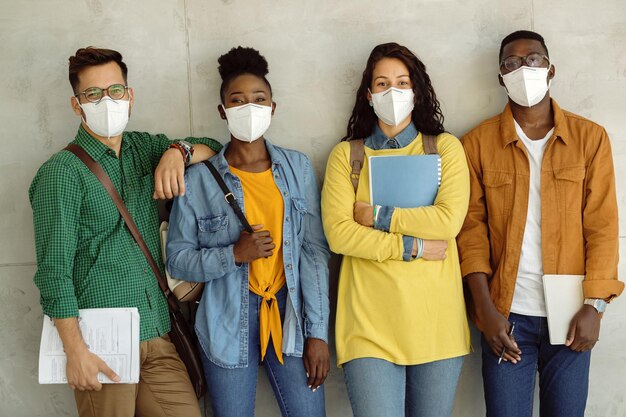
{"type": "Point", "coordinates": [542, 202]}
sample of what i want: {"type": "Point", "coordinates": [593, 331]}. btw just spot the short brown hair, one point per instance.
{"type": "Point", "coordinates": [90, 56]}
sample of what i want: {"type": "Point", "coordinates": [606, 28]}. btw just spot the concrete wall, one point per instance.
{"type": "Point", "coordinates": [316, 50]}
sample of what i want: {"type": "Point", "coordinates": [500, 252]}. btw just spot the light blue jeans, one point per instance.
{"type": "Point", "coordinates": [379, 388]}
{"type": "Point", "coordinates": [233, 391]}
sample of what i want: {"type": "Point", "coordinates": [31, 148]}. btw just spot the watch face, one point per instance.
{"type": "Point", "coordinates": [598, 304]}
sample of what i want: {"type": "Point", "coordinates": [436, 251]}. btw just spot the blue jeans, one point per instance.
{"type": "Point", "coordinates": [233, 391]}
{"type": "Point", "coordinates": [563, 375]}
{"type": "Point", "coordinates": [380, 388]}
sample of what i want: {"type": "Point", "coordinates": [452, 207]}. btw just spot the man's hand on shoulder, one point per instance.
{"type": "Point", "coordinates": [169, 175]}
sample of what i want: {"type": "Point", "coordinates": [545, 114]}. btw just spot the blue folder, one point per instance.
{"type": "Point", "coordinates": [404, 181]}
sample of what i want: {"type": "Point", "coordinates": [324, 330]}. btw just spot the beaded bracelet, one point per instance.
{"type": "Point", "coordinates": [182, 151]}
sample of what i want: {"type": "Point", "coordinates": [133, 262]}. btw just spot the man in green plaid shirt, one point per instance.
{"type": "Point", "coordinates": [86, 256]}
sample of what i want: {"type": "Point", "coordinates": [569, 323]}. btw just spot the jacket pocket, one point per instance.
{"type": "Point", "coordinates": [213, 231]}
{"type": "Point", "coordinates": [498, 192]}
{"type": "Point", "coordinates": [298, 214]}
{"type": "Point", "coordinates": [569, 184]}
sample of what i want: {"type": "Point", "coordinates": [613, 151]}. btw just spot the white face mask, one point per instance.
{"type": "Point", "coordinates": [107, 118]}
{"type": "Point", "coordinates": [248, 122]}
{"type": "Point", "coordinates": [393, 105]}
{"type": "Point", "coordinates": [527, 86]}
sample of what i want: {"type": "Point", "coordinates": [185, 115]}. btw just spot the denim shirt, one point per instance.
{"type": "Point", "coordinates": [377, 141]}
{"type": "Point", "coordinates": [202, 233]}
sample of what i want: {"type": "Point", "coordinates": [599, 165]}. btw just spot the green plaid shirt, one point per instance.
{"type": "Point", "coordinates": [86, 256]}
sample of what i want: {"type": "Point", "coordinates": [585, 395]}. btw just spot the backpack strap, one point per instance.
{"type": "Point", "coordinates": [357, 155]}
{"type": "Point", "coordinates": [430, 144]}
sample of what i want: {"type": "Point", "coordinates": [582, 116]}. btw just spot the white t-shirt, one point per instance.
{"type": "Point", "coordinates": [528, 297]}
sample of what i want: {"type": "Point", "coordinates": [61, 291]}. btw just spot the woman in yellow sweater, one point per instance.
{"type": "Point", "coordinates": [401, 328]}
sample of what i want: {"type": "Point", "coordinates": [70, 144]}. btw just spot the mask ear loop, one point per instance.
{"type": "Point", "coordinates": [82, 112]}
{"type": "Point", "coordinates": [503, 83]}
{"type": "Point", "coordinates": [550, 79]}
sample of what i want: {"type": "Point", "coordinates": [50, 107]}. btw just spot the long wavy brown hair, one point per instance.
{"type": "Point", "coordinates": [426, 115]}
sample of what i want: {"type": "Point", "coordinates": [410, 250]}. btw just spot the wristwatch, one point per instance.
{"type": "Point", "coordinates": [597, 303]}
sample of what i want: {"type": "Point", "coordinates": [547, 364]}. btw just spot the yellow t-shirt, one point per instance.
{"type": "Point", "coordinates": [263, 204]}
{"type": "Point", "coordinates": [407, 313]}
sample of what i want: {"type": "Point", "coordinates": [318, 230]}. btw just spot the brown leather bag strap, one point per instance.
{"type": "Point", "coordinates": [357, 155]}
{"type": "Point", "coordinates": [430, 144]}
{"type": "Point", "coordinates": [102, 176]}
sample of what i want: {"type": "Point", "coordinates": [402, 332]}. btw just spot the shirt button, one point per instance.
{"type": "Point", "coordinates": [288, 266]}
{"type": "Point", "coordinates": [145, 270]}
{"type": "Point", "coordinates": [277, 176]}
{"type": "Point", "coordinates": [292, 289]}
{"type": "Point", "coordinates": [286, 243]}
{"type": "Point", "coordinates": [286, 193]}
{"type": "Point", "coordinates": [286, 219]}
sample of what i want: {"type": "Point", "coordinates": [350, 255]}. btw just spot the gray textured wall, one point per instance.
{"type": "Point", "coordinates": [316, 50]}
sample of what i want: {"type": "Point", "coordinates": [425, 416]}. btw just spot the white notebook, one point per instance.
{"type": "Point", "coordinates": [564, 297]}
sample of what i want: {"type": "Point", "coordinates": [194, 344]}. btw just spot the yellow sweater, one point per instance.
{"type": "Point", "coordinates": [407, 313]}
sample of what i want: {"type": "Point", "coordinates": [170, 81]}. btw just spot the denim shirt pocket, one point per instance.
{"type": "Point", "coordinates": [298, 214]}
{"type": "Point", "coordinates": [213, 231]}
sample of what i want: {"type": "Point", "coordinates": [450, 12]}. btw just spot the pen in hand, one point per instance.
{"type": "Point", "coordinates": [504, 348]}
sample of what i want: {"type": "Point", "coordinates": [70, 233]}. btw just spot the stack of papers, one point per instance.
{"type": "Point", "coordinates": [110, 333]}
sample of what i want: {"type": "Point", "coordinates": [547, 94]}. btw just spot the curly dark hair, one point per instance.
{"type": "Point", "coordinates": [238, 61]}
{"type": "Point", "coordinates": [426, 116]}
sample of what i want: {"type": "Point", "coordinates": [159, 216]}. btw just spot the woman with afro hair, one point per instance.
{"type": "Point", "coordinates": [265, 298]}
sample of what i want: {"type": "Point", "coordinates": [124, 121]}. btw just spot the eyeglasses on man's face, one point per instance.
{"type": "Point", "coordinates": [535, 60]}
{"type": "Point", "coordinates": [95, 94]}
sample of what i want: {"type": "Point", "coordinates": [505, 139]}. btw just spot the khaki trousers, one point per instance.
{"type": "Point", "coordinates": [164, 389]}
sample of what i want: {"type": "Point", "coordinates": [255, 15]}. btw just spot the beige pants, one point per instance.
{"type": "Point", "coordinates": [164, 389]}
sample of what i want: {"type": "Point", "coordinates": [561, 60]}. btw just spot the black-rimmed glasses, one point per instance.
{"type": "Point", "coordinates": [513, 62]}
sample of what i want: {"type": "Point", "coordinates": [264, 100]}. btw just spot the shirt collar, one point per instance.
{"type": "Point", "coordinates": [377, 140]}
{"type": "Point", "coordinates": [221, 163]}
{"type": "Point", "coordinates": [93, 146]}
{"type": "Point", "coordinates": [507, 125]}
